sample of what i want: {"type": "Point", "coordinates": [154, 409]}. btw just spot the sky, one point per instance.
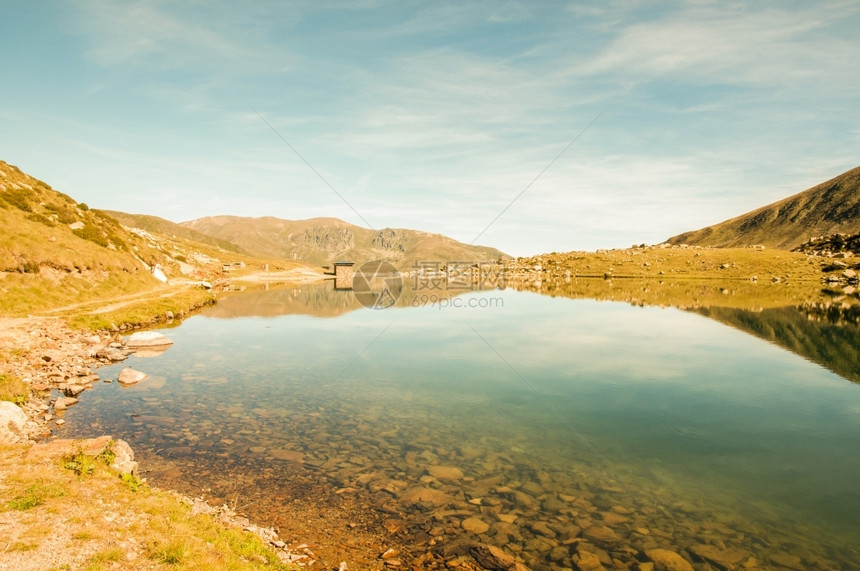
{"type": "Point", "coordinates": [529, 126]}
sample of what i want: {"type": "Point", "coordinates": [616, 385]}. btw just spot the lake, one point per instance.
{"type": "Point", "coordinates": [544, 425]}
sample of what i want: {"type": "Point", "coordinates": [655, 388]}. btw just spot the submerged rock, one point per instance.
{"type": "Point", "coordinates": [423, 495]}
{"type": "Point", "coordinates": [445, 473]}
{"type": "Point", "coordinates": [494, 559]}
{"type": "Point", "coordinates": [666, 560]}
{"type": "Point", "coordinates": [721, 558]}
{"type": "Point", "coordinates": [288, 455]}
{"type": "Point", "coordinates": [147, 339]}
{"type": "Point", "coordinates": [63, 403]}
{"type": "Point", "coordinates": [475, 525]}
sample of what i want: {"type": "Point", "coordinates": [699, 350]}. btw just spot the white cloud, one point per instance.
{"type": "Point", "coordinates": [731, 43]}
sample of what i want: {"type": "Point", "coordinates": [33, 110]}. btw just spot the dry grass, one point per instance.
{"type": "Point", "coordinates": [13, 389]}
{"type": "Point", "coordinates": [687, 263]}
{"type": "Point", "coordinates": [55, 519]}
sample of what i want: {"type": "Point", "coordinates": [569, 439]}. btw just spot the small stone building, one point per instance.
{"type": "Point", "coordinates": [343, 274]}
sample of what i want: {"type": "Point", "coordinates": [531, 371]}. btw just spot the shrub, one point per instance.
{"type": "Point", "coordinates": [83, 206]}
{"type": "Point", "coordinates": [63, 214]}
{"type": "Point", "coordinates": [40, 219]}
{"type": "Point", "coordinates": [19, 198]}
{"type": "Point", "coordinates": [91, 233]}
{"type": "Point", "coordinates": [13, 389]}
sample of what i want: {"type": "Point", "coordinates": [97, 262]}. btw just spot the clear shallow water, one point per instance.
{"type": "Point", "coordinates": [554, 410]}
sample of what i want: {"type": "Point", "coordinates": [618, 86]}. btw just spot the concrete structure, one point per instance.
{"type": "Point", "coordinates": [343, 274]}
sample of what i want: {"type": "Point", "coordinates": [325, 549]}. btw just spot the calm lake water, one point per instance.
{"type": "Point", "coordinates": [560, 424]}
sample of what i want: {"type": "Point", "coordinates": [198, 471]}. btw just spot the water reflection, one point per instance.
{"type": "Point", "coordinates": [688, 435]}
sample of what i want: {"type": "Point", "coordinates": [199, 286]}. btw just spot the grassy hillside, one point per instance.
{"type": "Point", "coordinates": [55, 251]}
{"type": "Point", "coordinates": [166, 228]}
{"type": "Point", "coordinates": [829, 208]}
{"type": "Point", "coordinates": [322, 241]}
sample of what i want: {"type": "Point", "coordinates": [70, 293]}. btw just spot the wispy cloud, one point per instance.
{"type": "Point", "coordinates": [436, 115]}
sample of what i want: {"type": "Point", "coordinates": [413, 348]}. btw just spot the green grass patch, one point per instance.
{"type": "Point", "coordinates": [104, 559]}
{"type": "Point", "coordinates": [13, 389]}
{"type": "Point", "coordinates": [34, 495]}
{"type": "Point", "coordinates": [172, 553]}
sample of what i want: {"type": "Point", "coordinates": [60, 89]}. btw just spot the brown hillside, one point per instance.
{"type": "Point", "coordinates": [322, 241]}
{"type": "Point", "coordinates": [829, 208]}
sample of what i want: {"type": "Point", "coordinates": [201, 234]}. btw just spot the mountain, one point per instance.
{"type": "Point", "coordinates": [829, 208]}
{"type": "Point", "coordinates": [322, 241]}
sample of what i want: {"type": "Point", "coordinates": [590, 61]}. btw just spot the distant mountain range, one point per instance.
{"type": "Point", "coordinates": [322, 241]}
{"type": "Point", "coordinates": [828, 208]}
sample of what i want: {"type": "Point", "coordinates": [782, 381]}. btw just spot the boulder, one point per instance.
{"type": "Point", "coordinates": [129, 376]}
{"type": "Point", "coordinates": [13, 423]}
{"type": "Point", "coordinates": [111, 354]}
{"type": "Point", "coordinates": [123, 461]}
{"type": "Point", "coordinates": [143, 339]}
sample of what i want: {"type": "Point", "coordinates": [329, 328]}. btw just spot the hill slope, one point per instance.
{"type": "Point", "coordinates": [56, 252]}
{"type": "Point", "coordinates": [322, 241]}
{"type": "Point", "coordinates": [829, 208]}
{"type": "Point", "coordinates": [156, 225]}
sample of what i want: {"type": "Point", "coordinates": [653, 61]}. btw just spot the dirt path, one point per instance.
{"type": "Point", "coordinates": [112, 303]}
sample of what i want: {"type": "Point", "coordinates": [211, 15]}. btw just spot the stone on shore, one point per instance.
{"type": "Point", "coordinates": [129, 376]}
{"type": "Point", "coordinates": [13, 422]}
{"type": "Point", "coordinates": [123, 460]}
{"type": "Point", "coordinates": [111, 354]}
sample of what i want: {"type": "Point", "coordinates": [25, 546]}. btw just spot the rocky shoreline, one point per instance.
{"type": "Point", "coordinates": [58, 364]}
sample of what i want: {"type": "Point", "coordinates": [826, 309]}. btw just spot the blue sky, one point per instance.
{"type": "Point", "coordinates": [436, 115]}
